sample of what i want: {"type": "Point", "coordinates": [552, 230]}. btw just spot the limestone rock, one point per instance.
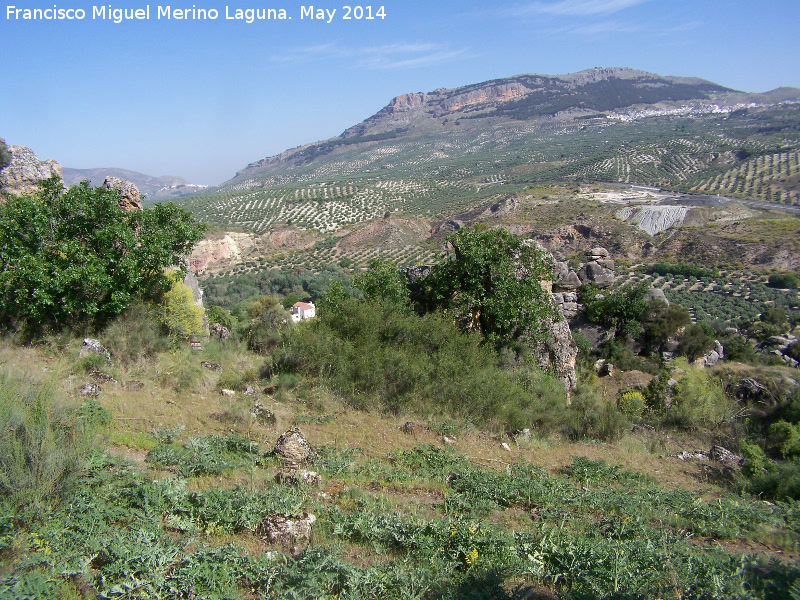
{"type": "Point", "coordinates": [287, 530]}
{"type": "Point", "coordinates": [219, 331]}
{"type": "Point", "coordinates": [712, 357]}
{"type": "Point", "coordinates": [92, 346]}
{"type": "Point", "coordinates": [597, 253]}
{"type": "Point", "coordinates": [558, 351]}
{"type": "Point", "coordinates": [300, 477]}
{"type": "Point", "coordinates": [594, 272]}
{"type": "Point", "coordinates": [293, 446]}
{"type": "Point", "coordinates": [523, 435]}
{"type": "Point", "coordinates": [25, 171]}
{"type": "Point", "coordinates": [129, 198]}
{"type": "Point", "coordinates": [100, 377]}
{"type": "Point", "coordinates": [604, 368]}
{"type": "Point", "coordinates": [91, 390]}
{"type": "Point", "coordinates": [211, 366]}
{"type": "Point", "coordinates": [570, 281]}
{"type": "Point", "coordinates": [261, 413]}
{"type": "Point", "coordinates": [407, 427]}
{"type": "Point", "coordinates": [656, 294]}
{"type": "Point", "coordinates": [606, 263]}
{"type": "Point", "coordinates": [721, 454]}
{"type": "Point", "coordinates": [227, 393]}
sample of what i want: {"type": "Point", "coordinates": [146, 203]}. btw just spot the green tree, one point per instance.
{"type": "Point", "coordinates": [383, 282]}
{"type": "Point", "coordinates": [492, 282]}
{"type": "Point", "coordinates": [75, 259]}
{"type": "Point", "coordinates": [780, 280]}
{"type": "Point", "coordinates": [663, 322]}
{"type": "Point", "coordinates": [624, 310]}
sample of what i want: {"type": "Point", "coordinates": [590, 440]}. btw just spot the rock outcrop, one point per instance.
{"type": "Point", "coordinates": [92, 346]}
{"type": "Point", "coordinates": [599, 270]}
{"type": "Point", "coordinates": [25, 171]}
{"type": "Point", "coordinates": [293, 447]}
{"type": "Point", "coordinates": [129, 197]}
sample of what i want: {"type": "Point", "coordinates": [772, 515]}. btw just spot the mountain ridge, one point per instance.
{"type": "Point", "coordinates": [531, 98]}
{"type": "Point", "coordinates": [153, 188]}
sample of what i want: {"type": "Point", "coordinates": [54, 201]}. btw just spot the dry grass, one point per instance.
{"type": "Point", "coordinates": [136, 413]}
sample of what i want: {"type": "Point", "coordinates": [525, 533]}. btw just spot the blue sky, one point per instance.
{"type": "Point", "coordinates": [201, 99]}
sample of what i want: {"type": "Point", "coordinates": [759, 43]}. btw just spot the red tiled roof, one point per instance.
{"type": "Point", "coordinates": [303, 305]}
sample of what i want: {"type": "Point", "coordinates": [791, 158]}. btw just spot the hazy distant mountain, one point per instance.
{"type": "Point", "coordinates": [152, 188]}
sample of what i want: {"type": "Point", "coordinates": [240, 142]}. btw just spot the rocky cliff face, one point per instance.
{"type": "Point", "coordinates": [493, 93]}
{"type": "Point", "coordinates": [129, 198]}
{"type": "Point", "coordinates": [25, 171]}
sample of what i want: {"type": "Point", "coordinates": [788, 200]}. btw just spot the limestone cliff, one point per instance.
{"type": "Point", "coordinates": [25, 171]}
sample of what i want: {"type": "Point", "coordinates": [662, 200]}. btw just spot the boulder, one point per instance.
{"type": "Point", "coordinates": [219, 331]}
{"type": "Point", "coordinates": [297, 478]}
{"type": "Point", "coordinates": [93, 346]}
{"type": "Point", "coordinates": [603, 368]}
{"type": "Point", "coordinates": [407, 427]}
{"type": "Point", "coordinates": [100, 377]}
{"type": "Point", "coordinates": [261, 413]}
{"type": "Point", "coordinates": [657, 294]}
{"type": "Point", "coordinates": [293, 446]}
{"type": "Point", "coordinates": [91, 390]}
{"type": "Point", "coordinates": [287, 530]}
{"type": "Point", "coordinates": [606, 263]}
{"type": "Point", "coordinates": [523, 435]}
{"type": "Point", "coordinates": [129, 198]}
{"type": "Point", "coordinates": [570, 281]}
{"type": "Point", "coordinates": [24, 172]}
{"type": "Point", "coordinates": [596, 253]}
{"type": "Point", "coordinates": [721, 454]}
{"type": "Point", "coordinates": [593, 272]}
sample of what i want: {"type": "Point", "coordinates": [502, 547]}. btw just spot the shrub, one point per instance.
{"type": "Point", "coordinates": [380, 354]}
{"type": "Point", "coordinates": [135, 335]}
{"type": "Point", "coordinates": [754, 461]}
{"type": "Point", "coordinates": [593, 418]}
{"type": "Point", "coordinates": [696, 341]}
{"type": "Point", "coordinates": [5, 154]}
{"type": "Point", "coordinates": [218, 314]}
{"type": "Point", "coordinates": [698, 401]}
{"type": "Point", "coordinates": [784, 281]}
{"type": "Point", "coordinates": [44, 446]}
{"type": "Point", "coordinates": [624, 310]}
{"type": "Point", "coordinates": [631, 404]}
{"type": "Point", "coordinates": [180, 315]}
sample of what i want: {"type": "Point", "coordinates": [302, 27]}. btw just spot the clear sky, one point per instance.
{"type": "Point", "coordinates": [202, 98]}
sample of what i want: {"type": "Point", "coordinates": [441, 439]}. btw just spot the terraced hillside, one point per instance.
{"type": "Point", "coordinates": [433, 162]}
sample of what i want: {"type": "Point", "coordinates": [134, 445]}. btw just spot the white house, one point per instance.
{"type": "Point", "coordinates": [303, 310]}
